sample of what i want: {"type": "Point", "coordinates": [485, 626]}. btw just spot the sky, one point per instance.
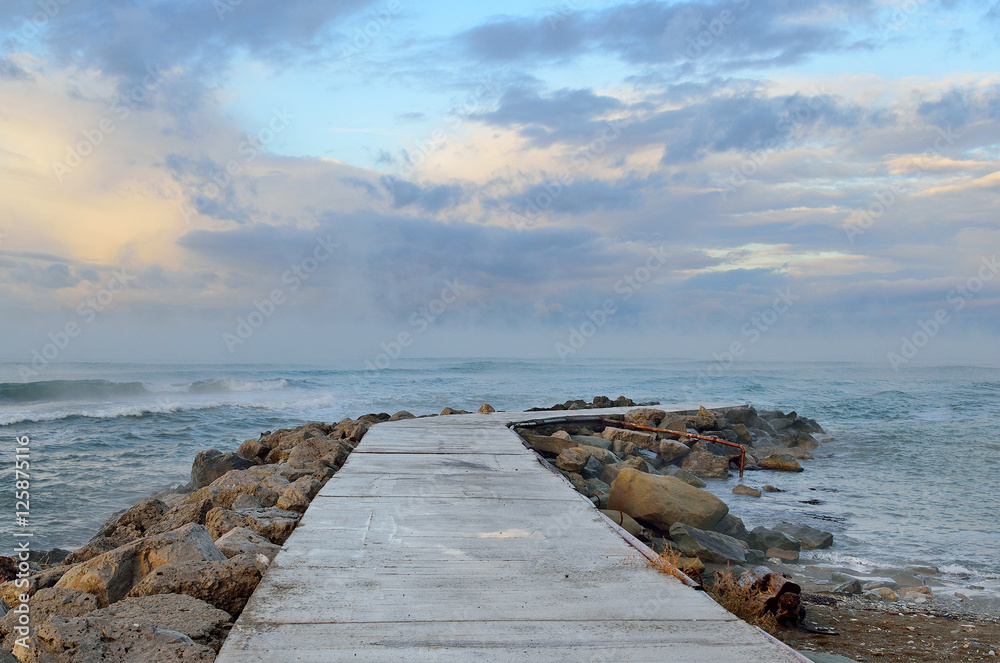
{"type": "Point", "coordinates": [245, 181]}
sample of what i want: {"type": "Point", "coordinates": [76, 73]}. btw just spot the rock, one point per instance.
{"type": "Point", "coordinates": [780, 463]}
{"type": "Point", "coordinates": [179, 613]}
{"type": "Point", "coordinates": [401, 415]}
{"type": "Point", "coordinates": [549, 446]}
{"type": "Point", "coordinates": [732, 526]}
{"type": "Point", "coordinates": [274, 524]}
{"type": "Point", "coordinates": [448, 410]}
{"type": "Point", "coordinates": [768, 488]}
{"type": "Point", "coordinates": [245, 503]}
{"type": "Point", "coordinates": [51, 601]}
{"type": "Point", "coordinates": [224, 490]}
{"type": "Point", "coordinates": [703, 421]}
{"type": "Point", "coordinates": [11, 593]}
{"type": "Point", "coordinates": [672, 422]}
{"type": "Point", "coordinates": [592, 441]}
{"type": "Point", "coordinates": [610, 472]}
{"type": "Point", "coordinates": [740, 489]}
{"type": "Point", "coordinates": [886, 594]}
{"type": "Point", "coordinates": [645, 416]}
{"type": "Point", "coordinates": [93, 548]}
{"type": "Point", "coordinates": [211, 464]}
{"type": "Point", "coordinates": [112, 575]}
{"type": "Point", "coordinates": [625, 521]}
{"type": "Point", "coordinates": [318, 450]}
{"type": "Point", "coordinates": [691, 565]}
{"type": "Point", "coordinates": [742, 433]}
{"type": "Point", "coordinates": [572, 460]}
{"type": "Point", "coordinates": [181, 515]}
{"type": "Point", "coordinates": [638, 438]}
{"type": "Point", "coordinates": [241, 541]}
{"type": "Point", "coordinates": [663, 501]}
{"type": "Point", "coordinates": [562, 435]}
{"type": "Point", "coordinates": [592, 469]}
{"type": "Point", "coordinates": [706, 465]}
{"type": "Point", "coordinates": [621, 401]}
{"type": "Point", "coordinates": [711, 547]}
{"type": "Point", "coordinates": [621, 448]}
{"type": "Point", "coordinates": [755, 557]}
{"type": "Point", "coordinates": [811, 538]}
{"type": "Point", "coordinates": [298, 495]}
{"type": "Point", "coordinates": [486, 409]}
{"type": "Point", "coordinates": [763, 538]}
{"type": "Point", "coordinates": [102, 635]}
{"type": "Point", "coordinates": [915, 592]}
{"type": "Point", "coordinates": [132, 523]}
{"type": "Point", "coordinates": [671, 451]}
{"type": "Point", "coordinates": [782, 554]}
{"type": "Point", "coordinates": [741, 415]}
{"type": "Point", "coordinates": [253, 450]}
{"type": "Point", "coordinates": [683, 475]}
{"type": "Point", "coordinates": [227, 585]}
{"type": "Point", "coordinates": [849, 587]}
{"type": "Point", "coordinates": [603, 455]}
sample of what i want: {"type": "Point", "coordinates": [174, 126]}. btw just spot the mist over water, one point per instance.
{"type": "Point", "coordinates": [909, 479]}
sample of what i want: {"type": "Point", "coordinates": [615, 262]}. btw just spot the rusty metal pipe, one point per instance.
{"type": "Point", "coordinates": [708, 438]}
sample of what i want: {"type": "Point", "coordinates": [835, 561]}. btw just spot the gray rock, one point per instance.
{"type": "Point", "coordinates": [591, 441]}
{"type": "Point", "coordinates": [762, 538]}
{"type": "Point", "coordinates": [241, 541]}
{"type": "Point", "coordinates": [755, 557]}
{"type": "Point", "coordinates": [733, 526]}
{"type": "Point", "coordinates": [683, 475]}
{"type": "Point", "coordinates": [706, 465]}
{"type": "Point", "coordinates": [592, 469]}
{"type": "Point", "coordinates": [707, 546]}
{"type": "Point", "coordinates": [850, 587]}
{"type": "Point", "coordinates": [211, 464]}
{"type": "Point", "coordinates": [246, 503]}
{"type": "Point", "coordinates": [741, 415]}
{"type": "Point", "coordinates": [811, 538]}
{"type": "Point", "coordinates": [132, 523]}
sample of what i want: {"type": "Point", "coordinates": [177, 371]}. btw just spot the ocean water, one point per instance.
{"type": "Point", "coordinates": [911, 477]}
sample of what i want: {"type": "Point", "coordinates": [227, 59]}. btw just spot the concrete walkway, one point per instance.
{"type": "Point", "coordinates": [445, 539]}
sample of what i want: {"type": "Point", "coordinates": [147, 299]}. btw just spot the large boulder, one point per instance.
{"type": "Point", "coordinates": [662, 501]}
{"type": "Point", "coordinates": [572, 460]}
{"type": "Point", "coordinates": [733, 526]}
{"type": "Point", "coordinates": [182, 514]}
{"type": "Point", "coordinates": [780, 463]}
{"type": "Point", "coordinates": [132, 523]}
{"type": "Point", "coordinates": [45, 602]}
{"type": "Point", "coordinates": [671, 451]}
{"type": "Point", "coordinates": [741, 415]}
{"type": "Point", "coordinates": [710, 547]}
{"type": "Point", "coordinates": [11, 591]}
{"type": "Point", "coordinates": [299, 494]}
{"type": "Point", "coordinates": [810, 537]}
{"type": "Point", "coordinates": [254, 450]}
{"type": "Point", "coordinates": [610, 472]}
{"type": "Point", "coordinates": [93, 548]}
{"type": "Point", "coordinates": [672, 422]}
{"type": "Point", "coordinates": [319, 450]}
{"type": "Point", "coordinates": [226, 584]}
{"type": "Point", "coordinates": [683, 475]}
{"type": "Point", "coordinates": [211, 464]}
{"type": "Point", "coordinates": [638, 438]}
{"type": "Point", "coordinates": [112, 575]}
{"type": "Point", "coordinates": [592, 441]}
{"type": "Point", "coordinates": [706, 465]}
{"type": "Point", "coordinates": [224, 490]}
{"type": "Point", "coordinates": [645, 416]}
{"type": "Point", "coordinates": [548, 445]}
{"type": "Point", "coordinates": [241, 541]}
{"type": "Point", "coordinates": [762, 538]}
{"type": "Point", "coordinates": [168, 629]}
{"type": "Point", "coordinates": [274, 524]}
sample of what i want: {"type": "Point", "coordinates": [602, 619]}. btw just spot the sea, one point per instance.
{"type": "Point", "coordinates": [911, 476]}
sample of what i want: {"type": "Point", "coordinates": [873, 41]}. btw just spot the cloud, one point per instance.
{"type": "Point", "coordinates": [10, 70]}
{"type": "Point", "coordinates": [431, 199]}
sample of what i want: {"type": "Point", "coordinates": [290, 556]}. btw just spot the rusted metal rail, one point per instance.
{"type": "Point", "coordinates": [707, 438]}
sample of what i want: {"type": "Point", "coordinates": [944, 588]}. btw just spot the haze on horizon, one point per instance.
{"type": "Point", "coordinates": [237, 181]}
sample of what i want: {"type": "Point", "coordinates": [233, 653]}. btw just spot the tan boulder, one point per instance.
{"type": "Point", "coordinates": [93, 548]}
{"type": "Point", "coordinates": [548, 445]}
{"type": "Point", "coordinates": [671, 451]}
{"type": "Point", "coordinates": [672, 422]}
{"type": "Point", "coordinates": [241, 541]}
{"type": "Point", "coordinates": [706, 465]}
{"type": "Point", "coordinates": [486, 408]}
{"type": "Point", "coordinates": [181, 515]}
{"type": "Point", "coordinates": [226, 585]}
{"type": "Point", "coordinates": [610, 472]}
{"type": "Point", "coordinates": [112, 575]}
{"type": "Point", "coordinates": [780, 463]}
{"type": "Point", "coordinates": [266, 487]}
{"type": "Point", "coordinates": [132, 523]}
{"type": "Point", "coordinates": [572, 460]}
{"type": "Point", "coordinates": [741, 489]}
{"type": "Point", "coordinates": [318, 450]}
{"type": "Point", "coordinates": [645, 416]}
{"type": "Point", "coordinates": [11, 593]}
{"type": "Point", "coordinates": [662, 501]}
{"type": "Point", "coordinates": [625, 521]}
{"type": "Point", "coordinates": [638, 438]}
{"type": "Point", "coordinates": [274, 524]}
{"type": "Point", "coordinates": [299, 494]}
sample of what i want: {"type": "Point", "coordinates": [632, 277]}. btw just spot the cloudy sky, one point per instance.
{"type": "Point", "coordinates": [241, 180]}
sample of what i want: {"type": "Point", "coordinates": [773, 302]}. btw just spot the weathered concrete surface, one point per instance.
{"type": "Point", "coordinates": [444, 539]}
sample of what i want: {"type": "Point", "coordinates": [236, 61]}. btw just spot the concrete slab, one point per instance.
{"type": "Point", "coordinates": [444, 539]}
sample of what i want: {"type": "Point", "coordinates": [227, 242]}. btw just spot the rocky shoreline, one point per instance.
{"type": "Point", "coordinates": [166, 579]}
